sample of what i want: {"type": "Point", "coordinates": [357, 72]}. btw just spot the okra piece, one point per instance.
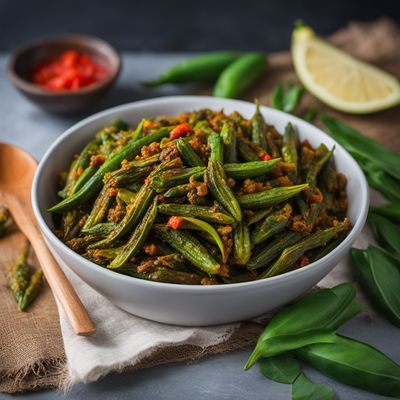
{"type": "Point", "coordinates": [228, 135]}
{"type": "Point", "coordinates": [274, 223]}
{"type": "Point", "coordinates": [267, 254]}
{"type": "Point", "coordinates": [190, 157]}
{"type": "Point", "coordinates": [101, 230]}
{"type": "Point", "coordinates": [215, 179]}
{"type": "Point", "coordinates": [272, 147]}
{"type": "Point", "coordinates": [69, 222]}
{"type": "Point", "coordinates": [190, 247]}
{"type": "Point", "coordinates": [139, 235]}
{"type": "Point", "coordinates": [171, 178]}
{"type": "Point", "coordinates": [19, 276]}
{"type": "Point", "coordinates": [32, 290]}
{"type": "Point", "coordinates": [126, 195]}
{"type": "Point", "coordinates": [322, 156]}
{"type": "Point", "coordinates": [241, 243]}
{"type": "Point", "coordinates": [246, 152]}
{"type": "Point", "coordinates": [134, 214]}
{"type": "Point", "coordinates": [172, 276]}
{"type": "Point", "coordinates": [291, 254]}
{"type": "Point", "coordinates": [178, 191]}
{"type": "Point", "coordinates": [137, 134]}
{"type": "Point", "coordinates": [269, 197]}
{"type": "Point", "coordinates": [258, 216]}
{"type": "Point", "coordinates": [289, 149]}
{"type": "Point", "coordinates": [79, 244]}
{"type": "Point", "coordinates": [143, 162]}
{"type": "Point", "coordinates": [99, 210]}
{"type": "Point", "coordinates": [258, 128]}
{"type": "Point", "coordinates": [216, 146]}
{"type": "Point", "coordinates": [83, 178]}
{"type": "Point", "coordinates": [322, 252]}
{"type": "Point", "coordinates": [201, 212]}
{"type": "Point", "coordinates": [250, 169]}
{"type": "Point", "coordinates": [94, 184]}
{"type": "Point", "coordinates": [125, 176]}
{"type": "Point", "coordinates": [81, 163]}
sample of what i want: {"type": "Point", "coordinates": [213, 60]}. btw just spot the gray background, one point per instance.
{"type": "Point", "coordinates": [220, 377]}
{"type": "Point", "coordinates": [183, 25]}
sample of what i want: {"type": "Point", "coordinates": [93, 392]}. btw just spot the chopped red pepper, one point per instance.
{"type": "Point", "coordinates": [175, 222]}
{"type": "Point", "coordinates": [303, 261]}
{"type": "Point", "coordinates": [70, 71]}
{"type": "Point", "coordinates": [267, 157]}
{"type": "Point", "coordinates": [180, 130]}
{"type": "Point", "coordinates": [97, 160]}
{"type": "Point", "coordinates": [315, 198]}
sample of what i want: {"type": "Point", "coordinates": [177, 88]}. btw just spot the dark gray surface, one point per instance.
{"type": "Point", "coordinates": [221, 377]}
{"type": "Point", "coordinates": [181, 25]}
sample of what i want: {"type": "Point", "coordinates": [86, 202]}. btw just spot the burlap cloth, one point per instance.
{"type": "Point", "coordinates": [32, 355]}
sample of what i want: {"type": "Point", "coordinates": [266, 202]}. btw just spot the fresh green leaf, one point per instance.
{"type": "Point", "coordinates": [322, 311]}
{"type": "Point", "coordinates": [282, 368]}
{"type": "Point", "coordinates": [287, 98]}
{"type": "Point", "coordinates": [354, 141]}
{"type": "Point", "coordinates": [354, 363]}
{"type": "Point", "coordinates": [277, 97]}
{"type": "Point", "coordinates": [388, 210]}
{"type": "Point", "coordinates": [198, 224]}
{"type": "Point", "coordinates": [311, 114]}
{"type": "Point", "coordinates": [386, 233]}
{"type": "Point", "coordinates": [304, 389]}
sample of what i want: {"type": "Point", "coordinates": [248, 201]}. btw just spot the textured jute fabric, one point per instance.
{"type": "Point", "coordinates": [32, 354]}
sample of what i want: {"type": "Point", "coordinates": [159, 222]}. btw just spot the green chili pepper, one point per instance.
{"type": "Point", "coordinates": [205, 67]}
{"type": "Point", "coordinates": [354, 363]}
{"type": "Point", "coordinates": [311, 319]}
{"type": "Point", "coordinates": [191, 249]}
{"type": "Point", "coordinates": [95, 182]}
{"type": "Point", "coordinates": [238, 76]}
{"type": "Point", "coordinates": [135, 242]}
{"type": "Point", "coordinates": [269, 197]}
{"type": "Point", "coordinates": [379, 274]}
{"type": "Point", "coordinates": [215, 177]}
{"type": "Point", "coordinates": [274, 223]}
{"type": "Point", "coordinates": [258, 128]}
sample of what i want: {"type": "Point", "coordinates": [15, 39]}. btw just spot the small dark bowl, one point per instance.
{"type": "Point", "coordinates": [63, 101]}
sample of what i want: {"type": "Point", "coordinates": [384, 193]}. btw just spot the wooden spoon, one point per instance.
{"type": "Point", "coordinates": [16, 174]}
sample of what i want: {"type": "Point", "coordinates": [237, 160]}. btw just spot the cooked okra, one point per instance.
{"type": "Point", "coordinates": [264, 203]}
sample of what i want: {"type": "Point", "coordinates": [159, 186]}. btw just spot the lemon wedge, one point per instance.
{"type": "Point", "coordinates": [339, 79]}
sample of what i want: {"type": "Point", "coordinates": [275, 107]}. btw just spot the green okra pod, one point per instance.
{"type": "Point", "coordinates": [187, 244]}
{"type": "Point", "coordinates": [258, 128]}
{"type": "Point", "coordinates": [139, 235]}
{"type": "Point", "coordinates": [246, 152]}
{"type": "Point", "coordinates": [190, 157]}
{"type": "Point", "coordinates": [273, 224]}
{"type": "Point", "coordinates": [241, 243]}
{"type": "Point", "coordinates": [267, 254]}
{"type": "Point", "coordinates": [127, 196]}
{"type": "Point", "coordinates": [216, 147]}
{"type": "Point", "coordinates": [101, 230]}
{"type": "Point", "coordinates": [269, 197]}
{"type": "Point", "coordinates": [228, 135]}
{"type": "Point", "coordinates": [289, 149]}
{"type": "Point", "coordinates": [31, 292]}
{"type": "Point", "coordinates": [172, 177]}
{"type": "Point", "coordinates": [172, 276]}
{"type": "Point", "coordinates": [20, 275]}
{"type": "Point", "coordinates": [178, 191]}
{"type": "Point", "coordinates": [94, 184]}
{"type": "Point", "coordinates": [291, 254]}
{"type": "Point", "coordinates": [216, 182]}
{"type": "Point", "coordinates": [201, 212]}
{"type": "Point", "coordinates": [249, 169]}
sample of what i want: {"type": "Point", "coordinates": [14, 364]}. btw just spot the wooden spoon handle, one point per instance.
{"type": "Point", "coordinates": [62, 289]}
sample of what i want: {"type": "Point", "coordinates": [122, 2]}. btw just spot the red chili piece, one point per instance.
{"type": "Point", "coordinates": [303, 261]}
{"type": "Point", "coordinates": [175, 222]}
{"type": "Point", "coordinates": [180, 130]}
{"type": "Point", "coordinates": [70, 71]}
{"type": "Point", "coordinates": [267, 157]}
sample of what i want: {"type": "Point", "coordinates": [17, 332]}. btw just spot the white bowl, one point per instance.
{"type": "Point", "coordinates": [184, 304]}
